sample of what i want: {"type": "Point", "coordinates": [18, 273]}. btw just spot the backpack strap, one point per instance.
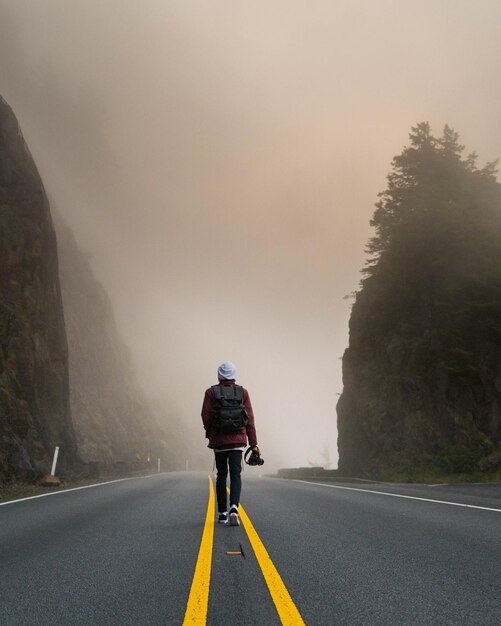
{"type": "Point", "coordinates": [217, 391]}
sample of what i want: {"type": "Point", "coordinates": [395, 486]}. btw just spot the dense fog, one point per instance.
{"type": "Point", "coordinates": [219, 162]}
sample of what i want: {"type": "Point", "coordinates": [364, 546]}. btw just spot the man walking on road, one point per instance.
{"type": "Point", "coordinates": [228, 421]}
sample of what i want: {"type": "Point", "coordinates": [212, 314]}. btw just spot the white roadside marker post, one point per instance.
{"type": "Point", "coordinates": [187, 465]}
{"type": "Point", "coordinates": [159, 466]}
{"type": "Point", "coordinates": [54, 461]}
{"type": "Point", "coordinates": [51, 480]}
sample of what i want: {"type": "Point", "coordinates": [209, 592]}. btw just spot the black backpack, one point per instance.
{"type": "Point", "coordinates": [228, 415]}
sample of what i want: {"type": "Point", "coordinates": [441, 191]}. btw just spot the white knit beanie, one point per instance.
{"type": "Point", "coordinates": [227, 371]}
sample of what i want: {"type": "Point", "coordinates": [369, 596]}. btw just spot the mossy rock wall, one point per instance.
{"type": "Point", "coordinates": [34, 397]}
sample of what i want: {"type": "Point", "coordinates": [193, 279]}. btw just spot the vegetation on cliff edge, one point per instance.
{"type": "Point", "coordinates": [422, 378]}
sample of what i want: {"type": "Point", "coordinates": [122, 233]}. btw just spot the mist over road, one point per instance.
{"type": "Point", "coordinates": [126, 552]}
{"type": "Point", "coordinates": [219, 165]}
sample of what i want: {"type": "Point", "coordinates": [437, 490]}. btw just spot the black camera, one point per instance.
{"type": "Point", "coordinates": [251, 458]}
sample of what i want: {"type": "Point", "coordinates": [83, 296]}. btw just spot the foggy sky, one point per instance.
{"type": "Point", "coordinates": [220, 160]}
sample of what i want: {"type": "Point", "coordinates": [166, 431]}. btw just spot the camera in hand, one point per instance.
{"type": "Point", "coordinates": [251, 458]}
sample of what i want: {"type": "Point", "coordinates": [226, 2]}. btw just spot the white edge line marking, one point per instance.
{"type": "Point", "coordinates": [56, 493]}
{"type": "Point", "coordinates": [398, 495]}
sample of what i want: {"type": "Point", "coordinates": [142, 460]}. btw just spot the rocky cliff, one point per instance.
{"type": "Point", "coordinates": [34, 400]}
{"type": "Point", "coordinates": [113, 419]}
{"type": "Point", "coordinates": [422, 373]}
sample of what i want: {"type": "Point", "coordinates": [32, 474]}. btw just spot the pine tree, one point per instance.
{"type": "Point", "coordinates": [430, 302]}
{"type": "Point", "coordinates": [438, 234]}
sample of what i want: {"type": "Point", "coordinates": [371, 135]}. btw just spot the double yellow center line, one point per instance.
{"type": "Point", "coordinates": [198, 601]}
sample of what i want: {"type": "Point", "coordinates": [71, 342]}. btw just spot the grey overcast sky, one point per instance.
{"type": "Point", "coordinates": [219, 160]}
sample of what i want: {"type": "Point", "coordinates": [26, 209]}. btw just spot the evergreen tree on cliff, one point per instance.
{"type": "Point", "coordinates": [422, 373]}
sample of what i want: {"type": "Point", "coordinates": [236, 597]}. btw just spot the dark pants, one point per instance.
{"type": "Point", "coordinates": [233, 459]}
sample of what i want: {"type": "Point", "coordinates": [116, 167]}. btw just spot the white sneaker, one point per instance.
{"type": "Point", "coordinates": [223, 518]}
{"type": "Point", "coordinates": [234, 519]}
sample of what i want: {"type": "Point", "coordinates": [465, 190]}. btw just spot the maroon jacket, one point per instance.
{"type": "Point", "coordinates": [228, 440]}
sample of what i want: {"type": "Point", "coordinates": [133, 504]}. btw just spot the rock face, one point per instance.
{"type": "Point", "coordinates": [34, 401]}
{"type": "Point", "coordinates": [398, 418]}
{"type": "Point", "coordinates": [112, 417]}
{"type": "Point", "coordinates": [422, 373]}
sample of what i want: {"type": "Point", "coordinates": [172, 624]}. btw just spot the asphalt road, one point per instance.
{"type": "Point", "coordinates": [125, 553]}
